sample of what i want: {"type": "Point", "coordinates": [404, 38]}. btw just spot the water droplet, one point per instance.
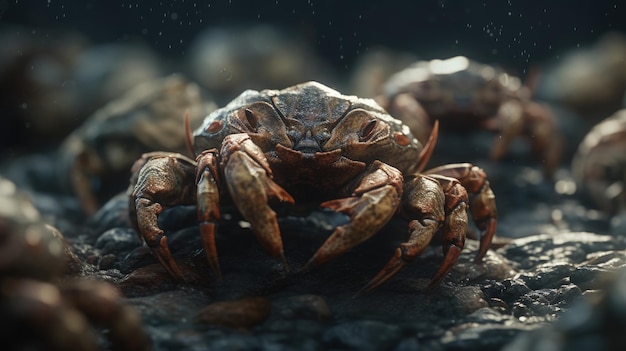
{"type": "Point", "coordinates": [227, 74]}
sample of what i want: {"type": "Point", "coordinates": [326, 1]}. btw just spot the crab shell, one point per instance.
{"type": "Point", "coordinates": [457, 87]}
{"type": "Point", "coordinates": [599, 165]}
{"type": "Point", "coordinates": [311, 123]}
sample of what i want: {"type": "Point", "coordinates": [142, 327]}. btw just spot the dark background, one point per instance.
{"type": "Point", "coordinates": [514, 33]}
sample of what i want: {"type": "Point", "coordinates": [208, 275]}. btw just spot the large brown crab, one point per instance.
{"type": "Point", "coordinates": [310, 143]}
{"type": "Point", "coordinates": [462, 94]}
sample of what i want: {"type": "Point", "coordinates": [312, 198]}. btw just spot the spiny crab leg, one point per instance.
{"type": "Point", "coordinates": [165, 180]}
{"type": "Point", "coordinates": [431, 204]}
{"type": "Point", "coordinates": [248, 178]}
{"type": "Point", "coordinates": [208, 198]}
{"type": "Point", "coordinates": [375, 200]}
{"type": "Point", "coordinates": [454, 226]}
{"type": "Point", "coordinates": [483, 204]}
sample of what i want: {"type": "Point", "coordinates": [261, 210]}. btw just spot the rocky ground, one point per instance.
{"type": "Point", "coordinates": [549, 281]}
{"type": "Point", "coordinates": [551, 256]}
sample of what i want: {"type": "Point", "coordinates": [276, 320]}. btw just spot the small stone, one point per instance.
{"type": "Point", "coordinates": [117, 241]}
{"type": "Point", "coordinates": [107, 262]}
{"type": "Point", "coordinates": [312, 307]}
{"type": "Point", "coordinates": [241, 314]}
{"type": "Point", "coordinates": [146, 281]}
{"type": "Point", "coordinates": [361, 335]}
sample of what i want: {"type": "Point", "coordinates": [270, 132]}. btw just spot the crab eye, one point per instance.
{"type": "Point", "coordinates": [323, 136]}
{"type": "Point", "coordinates": [293, 134]}
{"type": "Point", "coordinates": [368, 129]}
{"type": "Point", "coordinates": [252, 119]}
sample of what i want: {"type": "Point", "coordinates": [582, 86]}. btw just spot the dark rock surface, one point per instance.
{"type": "Point", "coordinates": [543, 279]}
{"type": "Point", "coordinates": [521, 286]}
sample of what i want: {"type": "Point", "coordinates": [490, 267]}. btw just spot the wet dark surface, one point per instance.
{"type": "Point", "coordinates": [548, 280]}
{"type": "Point", "coordinates": [556, 247]}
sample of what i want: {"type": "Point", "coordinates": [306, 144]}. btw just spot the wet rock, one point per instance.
{"type": "Point", "coordinates": [241, 314]}
{"type": "Point", "coordinates": [117, 241]}
{"type": "Point", "coordinates": [113, 214]}
{"type": "Point", "coordinates": [483, 329]}
{"type": "Point", "coordinates": [139, 257]}
{"type": "Point", "coordinates": [535, 250]}
{"type": "Point", "coordinates": [596, 322]}
{"type": "Point", "coordinates": [146, 281]}
{"type": "Point", "coordinates": [173, 308]}
{"type": "Point", "coordinates": [312, 307]}
{"type": "Point", "coordinates": [546, 275]}
{"type": "Point", "coordinates": [362, 335]}
{"type": "Point", "coordinates": [152, 279]}
{"type": "Point", "coordinates": [494, 266]}
{"type": "Point", "coordinates": [618, 224]}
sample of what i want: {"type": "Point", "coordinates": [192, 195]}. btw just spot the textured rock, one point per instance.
{"type": "Point", "coordinates": [596, 322]}
{"type": "Point", "coordinates": [241, 314]}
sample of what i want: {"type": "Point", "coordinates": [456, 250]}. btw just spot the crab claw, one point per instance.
{"type": "Point", "coordinates": [164, 181]}
{"type": "Point", "coordinates": [376, 200]}
{"type": "Point", "coordinates": [248, 179]}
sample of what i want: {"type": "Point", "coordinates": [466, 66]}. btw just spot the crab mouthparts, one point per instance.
{"type": "Point", "coordinates": [307, 146]}
{"type": "Point", "coordinates": [294, 157]}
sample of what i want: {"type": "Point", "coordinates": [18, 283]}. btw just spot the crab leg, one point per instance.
{"type": "Point", "coordinates": [432, 204]}
{"type": "Point", "coordinates": [531, 120]}
{"type": "Point", "coordinates": [249, 182]}
{"type": "Point", "coordinates": [454, 227]}
{"type": "Point", "coordinates": [208, 197]}
{"type": "Point", "coordinates": [375, 200]}
{"type": "Point", "coordinates": [164, 181]}
{"type": "Point", "coordinates": [511, 115]}
{"type": "Point", "coordinates": [483, 205]}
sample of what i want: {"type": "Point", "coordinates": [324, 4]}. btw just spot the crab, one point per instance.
{"type": "Point", "coordinates": [599, 165]}
{"type": "Point", "coordinates": [145, 119]}
{"type": "Point", "coordinates": [463, 94]}
{"type": "Point", "coordinates": [310, 144]}
{"type": "Point", "coordinates": [37, 298]}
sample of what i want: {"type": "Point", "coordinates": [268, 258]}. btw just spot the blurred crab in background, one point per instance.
{"type": "Point", "coordinates": [590, 80]}
{"type": "Point", "coordinates": [37, 300]}
{"type": "Point", "coordinates": [52, 80]}
{"type": "Point", "coordinates": [147, 118]}
{"type": "Point", "coordinates": [229, 59]}
{"type": "Point", "coordinates": [463, 94]}
{"type": "Point", "coordinates": [599, 165]}
{"type": "Point", "coordinates": [310, 144]}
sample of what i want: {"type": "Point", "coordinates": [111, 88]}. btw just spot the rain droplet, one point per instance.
{"type": "Point", "coordinates": [227, 74]}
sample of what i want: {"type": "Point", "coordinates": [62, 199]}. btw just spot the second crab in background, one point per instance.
{"type": "Point", "coordinates": [149, 117]}
{"type": "Point", "coordinates": [464, 94]}
{"type": "Point", "coordinates": [599, 165]}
